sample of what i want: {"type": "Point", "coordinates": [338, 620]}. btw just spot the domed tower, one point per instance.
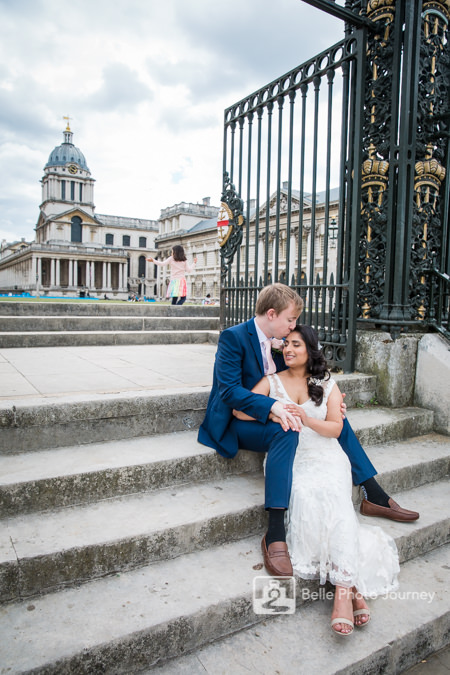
{"type": "Point", "coordinates": [67, 181]}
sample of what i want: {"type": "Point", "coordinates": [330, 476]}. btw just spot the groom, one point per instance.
{"type": "Point", "coordinates": [243, 358]}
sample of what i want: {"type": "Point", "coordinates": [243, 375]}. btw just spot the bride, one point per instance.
{"type": "Point", "coordinates": [325, 539]}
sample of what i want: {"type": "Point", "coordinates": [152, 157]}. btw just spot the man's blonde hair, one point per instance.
{"type": "Point", "coordinates": [278, 297]}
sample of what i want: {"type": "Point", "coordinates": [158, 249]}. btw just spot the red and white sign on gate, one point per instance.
{"type": "Point", "coordinates": [224, 226]}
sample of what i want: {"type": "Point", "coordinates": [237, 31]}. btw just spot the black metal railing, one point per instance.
{"type": "Point", "coordinates": [292, 161]}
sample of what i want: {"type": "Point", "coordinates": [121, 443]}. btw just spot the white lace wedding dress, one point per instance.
{"type": "Point", "coordinates": [325, 539]}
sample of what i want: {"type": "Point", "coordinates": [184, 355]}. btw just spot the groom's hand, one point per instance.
{"type": "Point", "coordinates": [343, 408]}
{"type": "Point", "coordinates": [282, 416]}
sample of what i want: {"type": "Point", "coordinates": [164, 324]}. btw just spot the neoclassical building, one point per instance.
{"type": "Point", "coordinates": [76, 251]}
{"type": "Point", "coordinates": [193, 226]}
{"type": "Point", "coordinates": [300, 239]}
{"type": "Point", "coordinates": [201, 240]}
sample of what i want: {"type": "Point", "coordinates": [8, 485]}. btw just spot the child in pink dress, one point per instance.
{"type": "Point", "coordinates": [177, 289]}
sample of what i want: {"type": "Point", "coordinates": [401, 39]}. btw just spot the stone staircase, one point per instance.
{"type": "Point", "coordinates": [127, 547]}
{"type": "Point", "coordinates": [58, 324]}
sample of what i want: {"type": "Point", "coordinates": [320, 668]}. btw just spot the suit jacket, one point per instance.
{"type": "Point", "coordinates": [238, 367]}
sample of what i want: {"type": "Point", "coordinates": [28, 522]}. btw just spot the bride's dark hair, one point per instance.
{"type": "Point", "coordinates": [317, 365]}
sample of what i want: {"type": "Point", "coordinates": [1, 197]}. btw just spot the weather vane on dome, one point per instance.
{"type": "Point", "coordinates": [66, 117]}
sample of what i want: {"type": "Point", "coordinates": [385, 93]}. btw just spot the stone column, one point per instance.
{"type": "Point", "coordinates": [92, 274]}
{"type": "Point", "coordinates": [104, 278]}
{"type": "Point", "coordinates": [274, 247]}
{"type": "Point", "coordinates": [108, 275]}
{"type": "Point", "coordinates": [52, 272]}
{"type": "Point", "coordinates": [39, 270]}
{"type": "Point", "coordinates": [71, 262]}
{"type": "Point", "coordinates": [88, 274]}
{"type": "Point", "coordinates": [125, 277]}
{"type": "Point", "coordinates": [259, 272]}
{"type": "Point", "coordinates": [292, 257]}
{"type": "Point", "coordinates": [308, 256]}
{"type": "Point", "coordinates": [120, 276]}
{"type": "Point", "coordinates": [75, 273]}
{"type": "Point", "coordinates": [57, 272]}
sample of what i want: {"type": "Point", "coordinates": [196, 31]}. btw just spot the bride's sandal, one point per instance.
{"type": "Point", "coordinates": [362, 612]}
{"type": "Point", "coordinates": [360, 609]}
{"type": "Point", "coordinates": [346, 622]}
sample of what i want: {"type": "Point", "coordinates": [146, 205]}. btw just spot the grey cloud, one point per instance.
{"type": "Point", "coordinates": [24, 115]}
{"type": "Point", "coordinates": [188, 120]}
{"type": "Point", "coordinates": [121, 90]}
{"type": "Point", "coordinates": [259, 37]}
{"type": "Point", "coordinates": [204, 80]}
{"type": "Point", "coordinates": [237, 48]}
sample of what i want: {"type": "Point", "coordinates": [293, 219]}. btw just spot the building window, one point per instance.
{"type": "Point", "coordinates": [63, 189]}
{"type": "Point", "coordinates": [205, 258]}
{"type": "Point", "coordinates": [142, 242]}
{"type": "Point", "coordinates": [141, 271]}
{"type": "Point", "coordinates": [72, 190]}
{"type": "Point", "coordinates": [75, 233]}
{"type": "Point", "coordinates": [81, 192]}
{"type": "Point", "coordinates": [109, 241]}
{"type": "Point", "coordinates": [126, 240]}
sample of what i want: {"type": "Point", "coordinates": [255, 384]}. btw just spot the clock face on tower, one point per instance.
{"type": "Point", "coordinates": [73, 168]}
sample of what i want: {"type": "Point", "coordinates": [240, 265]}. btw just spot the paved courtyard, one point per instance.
{"type": "Point", "coordinates": [37, 372]}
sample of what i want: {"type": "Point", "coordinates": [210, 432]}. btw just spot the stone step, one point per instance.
{"type": "Point", "coordinates": [82, 324]}
{"type": "Point", "coordinates": [39, 481]}
{"type": "Point", "coordinates": [406, 627]}
{"type": "Point", "coordinates": [43, 551]}
{"type": "Point", "coordinates": [132, 621]}
{"type": "Point", "coordinates": [50, 422]}
{"type": "Point", "coordinates": [77, 338]}
{"type": "Point", "coordinates": [92, 308]}
{"type": "Point", "coordinates": [83, 474]}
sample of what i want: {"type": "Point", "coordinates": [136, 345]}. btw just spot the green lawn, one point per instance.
{"type": "Point", "coordinates": [82, 301]}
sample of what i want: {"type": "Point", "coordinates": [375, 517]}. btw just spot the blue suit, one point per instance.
{"type": "Point", "coordinates": [238, 367]}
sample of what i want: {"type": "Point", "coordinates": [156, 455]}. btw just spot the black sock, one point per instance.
{"type": "Point", "coordinates": [374, 493]}
{"type": "Point", "coordinates": [276, 530]}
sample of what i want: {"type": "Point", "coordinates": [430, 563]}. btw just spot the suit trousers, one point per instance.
{"type": "Point", "coordinates": [280, 447]}
{"type": "Point", "coordinates": [362, 467]}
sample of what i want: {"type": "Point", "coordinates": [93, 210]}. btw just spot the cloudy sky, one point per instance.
{"type": "Point", "coordinates": [145, 83]}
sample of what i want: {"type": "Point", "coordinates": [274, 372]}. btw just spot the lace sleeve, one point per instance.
{"type": "Point", "coordinates": [327, 387]}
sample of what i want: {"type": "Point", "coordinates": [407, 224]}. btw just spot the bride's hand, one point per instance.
{"type": "Point", "coordinates": [296, 410]}
{"type": "Point", "coordinates": [284, 417]}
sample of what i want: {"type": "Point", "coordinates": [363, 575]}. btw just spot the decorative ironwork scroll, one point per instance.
{"type": "Point", "coordinates": [232, 208]}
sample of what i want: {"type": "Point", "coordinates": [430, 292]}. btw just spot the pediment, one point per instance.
{"type": "Point", "coordinates": [66, 217]}
{"type": "Point", "coordinates": [295, 202]}
{"type": "Point", "coordinates": [71, 213]}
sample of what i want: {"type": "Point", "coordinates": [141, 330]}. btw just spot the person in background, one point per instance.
{"type": "Point", "coordinates": [207, 300]}
{"type": "Point", "coordinates": [177, 289]}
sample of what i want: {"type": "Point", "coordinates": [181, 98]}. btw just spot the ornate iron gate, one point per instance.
{"type": "Point", "coordinates": [333, 175]}
{"type": "Point", "coordinates": [292, 192]}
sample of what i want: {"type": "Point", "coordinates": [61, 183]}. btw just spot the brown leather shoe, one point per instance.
{"type": "Point", "coordinates": [393, 512]}
{"type": "Point", "coordinates": [276, 558]}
